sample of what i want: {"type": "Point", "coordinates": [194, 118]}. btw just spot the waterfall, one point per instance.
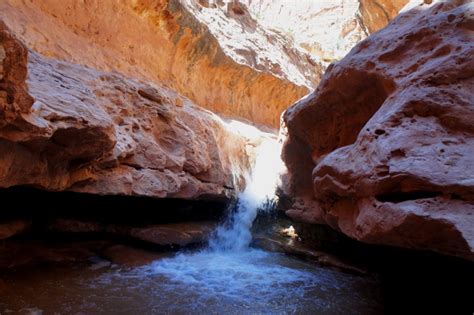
{"type": "Point", "coordinates": [229, 271]}
{"type": "Point", "coordinates": [235, 233]}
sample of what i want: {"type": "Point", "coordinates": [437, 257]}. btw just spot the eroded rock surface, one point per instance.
{"type": "Point", "coordinates": [222, 60]}
{"type": "Point", "coordinates": [68, 127]}
{"type": "Point", "coordinates": [180, 234]}
{"type": "Point", "coordinates": [246, 59]}
{"type": "Point", "coordinates": [383, 150]}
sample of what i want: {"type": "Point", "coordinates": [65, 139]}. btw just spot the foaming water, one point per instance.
{"type": "Point", "coordinates": [245, 282]}
{"type": "Point", "coordinates": [254, 281]}
{"type": "Point", "coordinates": [235, 234]}
{"type": "Point", "coordinates": [243, 276]}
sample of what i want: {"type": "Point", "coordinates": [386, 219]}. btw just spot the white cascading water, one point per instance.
{"type": "Point", "coordinates": [261, 186]}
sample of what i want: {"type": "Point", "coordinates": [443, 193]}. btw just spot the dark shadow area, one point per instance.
{"type": "Point", "coordinates": [38, 227]}
{"type": "Point", "coordinates": [40, 205]}
{"type": "Point", "coordinates": [412, 282]}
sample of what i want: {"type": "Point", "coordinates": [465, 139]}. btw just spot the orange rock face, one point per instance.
{"type": "Point", "coordinates": [383, 150]}
{"type": "Point", "coordinates": [376, 14]}
{"type": "Point", "coordinates": [221, 60]}
{"type": "Point", "coordinates": [68, 127]}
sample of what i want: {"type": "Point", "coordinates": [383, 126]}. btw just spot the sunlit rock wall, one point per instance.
{"type": "Point", "coordinates": [221, 60]}
{"type": "Point", "coordinates": [327, 29]}
{"type": "Point", "coordinates": [246, 59]}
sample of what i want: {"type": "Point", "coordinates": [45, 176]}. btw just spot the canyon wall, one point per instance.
{"type": "Point", "coordinates": [242, 59]}
{"type": "Point", "coordinates": [383, 150]}
{"type": "Point", "coordinates": [327, 29]}
{"type": "Point", "coordinates": [231, 65]}
{"type": "Point", "coordinates": [67, 127]}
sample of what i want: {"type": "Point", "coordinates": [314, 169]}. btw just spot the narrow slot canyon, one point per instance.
{"type": "Point", "coordinates": [236, 157]}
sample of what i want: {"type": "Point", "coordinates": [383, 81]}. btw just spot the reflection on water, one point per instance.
{"type": "Point", "coordinates": [203, 282]}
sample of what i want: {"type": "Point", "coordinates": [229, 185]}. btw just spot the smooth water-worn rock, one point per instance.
{"type": "Point", "coordinates": [181, 234]}
{"type": "Point", "coordinates": [10, 228]}
{"type": "Point", "coordinates": [130, 256]}
{"type": "Point", "coordinates": [14, 254]}
{"type": "Point", "coordinates": [67, 127]}
{"type": "Point", "coordinates": [383, 150]}
{"type": "Point", "coordinates": [295, 248]}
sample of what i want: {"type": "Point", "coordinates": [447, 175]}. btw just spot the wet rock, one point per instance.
{"type": "Point", "coordinates": [383, 150]}
{"type": "Point", "coordinates": [294, 247]}
{"type": "Point", "coordinates": [181, 234]}
{"type": "Point", "coordinates": [75, 226]}
{"type": "Point", "coordinates": [130, 256]}
{"type": "Point", "coordinates": [15, 254]}
{"type": "Point", "coordinates": [98, 263]}
{"type": "Point", "coordinates": [10, 228]}
{"type": "Point", "coordinates": [3, 286]}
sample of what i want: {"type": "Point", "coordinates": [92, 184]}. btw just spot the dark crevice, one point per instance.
{"type": "Point", "coordinates": [40, 205]}
{"type": "Point", "coordinates": [397, 197]}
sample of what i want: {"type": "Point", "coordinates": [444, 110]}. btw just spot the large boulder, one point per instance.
{"type": "Point", "coordinates": [67, 127]}
{"type": "Point", "coordinates": [383, 150]}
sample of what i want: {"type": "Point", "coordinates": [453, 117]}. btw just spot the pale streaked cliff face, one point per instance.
{"type": "Point", "coordinates": [247, 59]}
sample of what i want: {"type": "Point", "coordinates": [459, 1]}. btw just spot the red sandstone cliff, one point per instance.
{"type": "Point", "coordinates": [230, 65]}
{"type": "Point", "coordinates": [68, 127]}
{"type": "Point", "coordinates": [245, 59]}
{"type": "Point", "coordinates": [383, 150]}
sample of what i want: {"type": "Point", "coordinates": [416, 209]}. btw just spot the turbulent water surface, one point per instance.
{"type": "Point", "coordinates": [250, 282]}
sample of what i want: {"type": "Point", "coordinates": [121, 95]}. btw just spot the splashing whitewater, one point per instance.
{"type": "Point", "coordinates": [235, 235]}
